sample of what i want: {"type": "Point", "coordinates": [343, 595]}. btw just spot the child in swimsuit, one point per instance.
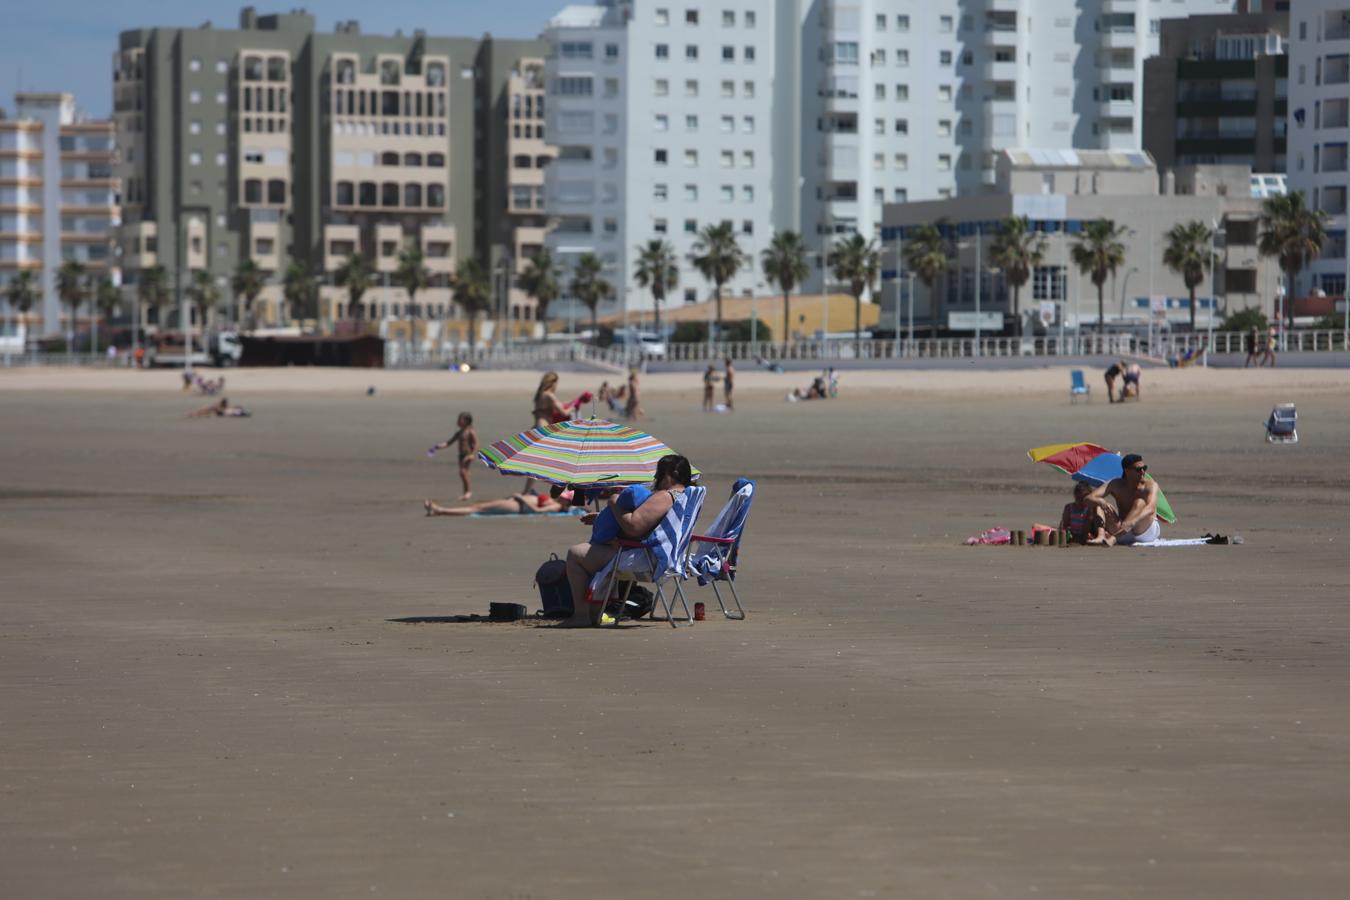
{"type": "Point", "coordinates": [467, 439]}
{"type": "Point", "coordinates": [1080, 518]}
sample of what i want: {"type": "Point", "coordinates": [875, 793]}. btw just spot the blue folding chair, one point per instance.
{"type": "Point", "coordinates": [715, 556]}
{"type": "Point", "coordinates": [1078, 386]}
{"type": "Point", "coordinates": [659, 560]}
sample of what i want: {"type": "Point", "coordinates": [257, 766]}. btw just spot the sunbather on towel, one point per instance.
{"type": "Point", "coordinates": [1134, 517]}
{"type": "Point", "coordinates": [556, 500]}
{"type": "Point", "coordinates": [634, 512]}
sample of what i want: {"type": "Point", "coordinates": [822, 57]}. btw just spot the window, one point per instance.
{"type": "Point", "coordinates": [344, 195]}
{"type": "Point", "coordinates": [368, 193]}
{"type": "Point", "coordinates": [944, 57]}
{"type": "Point", "coordinates": [900, 162]}
{"type": "Point", "coordinates": [902, 126]}
{"type": "Point", "coordinates": [944, 162]}
{"type": "Point", "coordinates": [662, 87]}
{"type": "Point", "coordinates": [878, 196]}
{"type": "Point", "coordinates": [748, 88]}
{"type": "Point", "coordinates": [728, 159]}
{"type": "Point", "coordinates": [728, 193]}
{"type": "Point", "coordinates": [663, 51]}
{"type": "Point", "coordinates": [691, 123]}
{"type": "Point", "coordinates": [748, 194]}
{"type": "Point", "coordinates": [194, 96]}
{"type": "Point", "coordinates": [436, 160]}
{"type": "Point", "coordinates": [412, 159]}
{"type": "Point", "coordinates": [691, 226]}
{"type": "Point", "coordinates": [691, 52]}
{"type": "Point", "coordinates": [878, 126]}
{"type": "Point", "coordinates": [878, 160]}
{"type": "Point", "coordinates": [663, 17]}
{"type": "Point", "coordinates": [879, 92]}
{"type": "Point", "coordinates": [659, 226]}
{"type": "Point", "coordinates": [728, 54]}
{"type": "Point", "coordinates": [222, 66]}
{"type": "Point", "coordinates": [662, 123]}
{"type": "Point", "coordinates": [748, 124]}
{"type": "Point", "coordinates": [576, 50]}
{"type": "Point", "coordinates": [878, 57]}
{"type": "Point", "coordinates": [659, 157]}
{"type": "Point", "coordinates": [728, 124]}
{"type": "Point", "coordinates": [220, 159]}
{"type": "Point", "coordinates": [749, 19]}
{"type": "Point", "coordinates": [748, 53]}
{"type": "Point", "coordinates": [747, 159]}
{"type": "Point", "coordinates": [389, 194]}
{"type": "Point", "coordinates": [945, 93]}
{"type": "Point", "coordinates": [747, 226]}
{"type": "Point", "coordinates": [902, 23]}
{"type": "Point", "coordinates": [611, 87]}
{"type": "Point", "coordinates": [567, 87]}
{"type": "Point", "coordinates": [691, 158]}
{"type": "Point", "coordinates": [944, 128]}
{"type": "Point", "coordinates": [221, 99]}
{"type": "Point", "coordinates": [220, 128]}
{"type": "Point", "coordinates": [728, 89]}
{"type": "Point", "coordinates": [691, 193]}
{"type": "Point", "coordinates": [194, 158]}
{"type": "Point", "coordinates": [194, 65]}
{"type": "Point", "coordinates": [902, 92]}
{"type": "Point", "coordinates": [900, 195]}
{"type": "Point", "coordinates": [691, 87]}
{"type": "Point", "coordinates": [436, 196]}
{"type": "Point", "coordinates": [660, 192]}
{"type": "Point", "coordinates": [611, 226]}
{"type": "Point", "coordinates": [845, 53]}
{"type": "Point", "coordinates": [902, 57]}
{"type": "Point", "coordinates": [945, 24]}
{"type": "Point", "coordinates": [691, 17]}
{"type": "Point", "coordinates": [194, 127]}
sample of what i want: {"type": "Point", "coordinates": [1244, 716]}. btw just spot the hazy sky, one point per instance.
{"type": "Point", "coordinates": [67, 45]}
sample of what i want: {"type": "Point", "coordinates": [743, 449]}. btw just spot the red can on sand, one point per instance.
{"type": "Point", "coordinates": [698, 612]}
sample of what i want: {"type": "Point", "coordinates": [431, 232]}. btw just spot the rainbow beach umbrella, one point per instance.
{"type": "Point", "coordinates": [1093, 464]}
{"type": "Point", "coordinates": [581, 452]}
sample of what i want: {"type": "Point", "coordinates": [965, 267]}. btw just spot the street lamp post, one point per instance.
{"type": "Point", "coordinates": [1214, 284]}
{"type": "Point", "coordinates": [979, 273]}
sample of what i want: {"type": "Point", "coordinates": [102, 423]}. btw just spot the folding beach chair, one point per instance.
{"type": "Point", "coordinates": [714, 556]}
{"type": "Point", "coordinates": [1282, 426]}
{"type": "Point", "coordinates": [659, 560]}
{"type": "Point", "coordinates": [1078, 386]}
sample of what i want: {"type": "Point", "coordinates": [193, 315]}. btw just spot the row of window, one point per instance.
{"type": "Point", "coordinates": [691, 17]}
{"type": "Point", "coordinates": [409, 129]}
{"type": "Point", "coordinates": [389, 249]}
{"type": "Point", "coordinates": [388, 158]}
{"type": "Point", "coordinates": [389, 103]}
{"type": "Point", "coordinates": [726, 158]}
{"type": "Point", "coordinates": [661, 226]}
{"type": "Point", "coordinates": [726, 193]}
{"type": "Point", "coordinates": [727, 88]}
{"type": "Point", "coordinates": [391, 71]}
{"type": "Point", "coordinates": [527, 106]}
{"type": "Point", "coordinates": [535, 132]}
{"type": "Point", "coordinates": [726, 124]}
{"type": "Point", "coordinates": [195, 97]}
{"type": "Point", "coordinates": [691, 52]}
{"type": "Point", "coordinates": [389, 195]}
{"type": "Point", "coordinates": [268, 100]}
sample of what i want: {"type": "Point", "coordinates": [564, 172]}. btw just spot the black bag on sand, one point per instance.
{"type": "Point", "coordinates": [554, 591]}
{"type": "Point", "coordinates": [640, 602]}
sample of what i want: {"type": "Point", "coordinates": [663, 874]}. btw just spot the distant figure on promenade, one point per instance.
{"type": "Point", "coordinates": [1272, 338]}
{"type": "Point", "coordinates": [1128, 504]}
{"type": "Point", "coordinates": [729, 384]}
{"type": "Point", "coordinates": [1253, 342]}
{"type": "Point", "coordinates": [709, 387]}
{"type": "Point", "coordinates": [467, 440]}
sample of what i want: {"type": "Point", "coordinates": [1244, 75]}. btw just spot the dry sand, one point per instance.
{"type": "Point", "coordinates": [202, 693]}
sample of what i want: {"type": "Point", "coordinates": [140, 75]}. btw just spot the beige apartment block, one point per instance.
{"type": "Point", "coordinates": [59, 202]}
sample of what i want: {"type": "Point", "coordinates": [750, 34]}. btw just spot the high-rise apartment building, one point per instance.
{"type": "Point", "coordinates": [278, 143]}
{"type": "Point", "coordinates": [1319, 129]}
{"type": "Point", "coordinates": [58, 198]}
{"type": "Point", "coordinates": [1217, 92]}
{"type": "Point", "coordinates": [853, 104]}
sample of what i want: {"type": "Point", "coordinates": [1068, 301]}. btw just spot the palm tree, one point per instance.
{"type": "Point", "coordinates": [857, 261]}
{"type": "Point", "coordinates": [107, 298]}
{"type": "Point", "coordinates": [928, 254]}
{"type": "Point", "coordinates": [22, 293]}
{"type": "Point", "coordinates": [718, 258]}
{"type": "Point", "coordinates": [473, 291]}
{"type": "Point", "coordinates": [1017, 250]}
{"type": "Point", "coordinates": [542, 280]}
{"type": "Point", "coordinates": [1188, 254]}
{"type": "Point", "coordinates": [589, 286]}
{"type": "Point", "coordinates": [412, 274]}
{"type": "Point", "coordinates": [355, 275]}
{"type": "Point", "coordinates": [1098, 252]}
{"type": "Point", "coordinates": [1295, 234]}
{"type": "Point", "coordinates": [784, 264]}
{"type": "Point", "coordinates": [658, 269]}
{"type": "Point", "coordinates": [203, 294]}
{"type": "Point", "coordinates": [153, 291]}
{"type": "Point", "coordinates": [248, 282]}
{"type": "Point", "coordinates": [295, 290]}
{"type": "Point", "coordinates": [71, 287]}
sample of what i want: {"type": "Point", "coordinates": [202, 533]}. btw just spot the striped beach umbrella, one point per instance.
{"type": "Point", "coordinates": [1094, 464]}
{"type": "Point", "coordinates": [580, 452]}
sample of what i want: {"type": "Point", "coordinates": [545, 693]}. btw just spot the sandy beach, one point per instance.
{"type": "Point", "coordinates": [205, 690]}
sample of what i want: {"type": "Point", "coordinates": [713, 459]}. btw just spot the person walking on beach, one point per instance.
{"type": "Point", "coordinates": [1253, 339]}
{"type": "Point", "coordinates": [467, 440]}
{"type": "Point", "coordinates": [1129, 504]}
{"type": "Point", "coordinates": [709, 387]}
{"type": "Point", "coordinates": [634, 408]}
{"type": "Point", "coordinates": [729, 384]}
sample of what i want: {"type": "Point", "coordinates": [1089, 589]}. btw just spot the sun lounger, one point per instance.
{"type": "Point", "coordinates": [714, 556]}
{"type": "Point", "coordinates": [658, 561]}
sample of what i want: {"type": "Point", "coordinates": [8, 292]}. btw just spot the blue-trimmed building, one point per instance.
{"type": "Point", "coordinates": [1059, 191]}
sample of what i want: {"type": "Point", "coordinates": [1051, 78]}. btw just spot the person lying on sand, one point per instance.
{"type": "Point", "coordinates": [819, 390]}
{"type": "Point", "coordinates": [556, 500]}
{"type": "Point", "coordinates": [222, 409]}
{"type": "Point", "coordinates": [1133, 519]}
{"type": "Point", "coordinates": [1080, 518]}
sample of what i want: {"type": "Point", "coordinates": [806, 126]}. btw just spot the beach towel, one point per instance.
{"type": "Point", "coordinates": [706, 560]}
{"type": "Point", "coordinates": [1187, 542]}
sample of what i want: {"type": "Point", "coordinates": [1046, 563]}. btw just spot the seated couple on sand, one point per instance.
{"type": "Point", "coordinates": [556, 500]}
{"type": "Point", "coordinates": [1122, 511]}
{"type": "Point", "coordinates": [631, 513]}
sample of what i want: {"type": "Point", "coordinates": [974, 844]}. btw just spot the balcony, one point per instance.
{"type": "Point", "coordinates": [1336, 70]}
{"type": "Point", "coordinates": [1000, 70]}
{"type": "Point", "coordinates": [1117, 109]}
{"type": "Point", "coordinates": [1118, 38]}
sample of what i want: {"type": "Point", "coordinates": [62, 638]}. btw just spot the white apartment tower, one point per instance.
{"type": "Point", "coordinates": [1319, 128]}
{"type": "Point", "coordinates": [855, 104]}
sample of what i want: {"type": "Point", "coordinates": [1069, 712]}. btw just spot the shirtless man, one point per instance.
{"type": "Point", "coordinates": [1134, 517]}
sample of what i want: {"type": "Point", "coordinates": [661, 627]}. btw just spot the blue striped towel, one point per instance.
{"type": "Point", "coordinates": [706, 560]}
{"type": "Point", "coordinates": [668, 544]}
